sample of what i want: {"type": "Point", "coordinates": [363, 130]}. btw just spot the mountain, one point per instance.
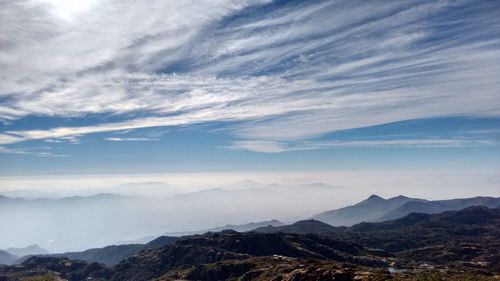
{"type": "Point", "coordinates": [235, 227]}
{"type": "Point", "coordinates": [7, 258]}
{"type": "Point", "coordinates": [160, 242]}
{"type": "Point", "coordinates": [451, 221]}
{"type": "Point", "coordinates": [109, 255]}
{"type": "Point", "coordinates": [453, 245]}
{"type": "Point", "coordinates": [53, 268]}
{"type": "Point", "coordinates": [113, 254]}
{"type": "Point", "coordinates": [247, 226]}
{"type": "Point", "coordinates": [469, 236]}
{"type": "Point", "coordinates": [251, 268]}
{"type": "Point", "coordinates": [230, 248]}
{"type": "Point", "coordinates": [301, 227]}
{"type": "Point", "coordinates": [370, 209]}
{"type": "Point", "coordinates": [376, 209]}
{"type": "Point", "coordinates": [438, 206]}
{"type": "Point", "coordinates": [105, 219]}
{"type": "Point", "coordinates": [78, 222]}
{"type": "Point", "coordinates": [29, 250]}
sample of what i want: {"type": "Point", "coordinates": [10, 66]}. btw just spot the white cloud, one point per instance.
{"type": "Point", "coordinates": [30, 152]}
{"type": "Point", "coordinates": [290, 74]}
{"type": "Point", "coordinates": [259, 146]}
{"type": "Point", "coordinates": [276, 147]}
{"type": "Point", "coordinates": [130, 139]}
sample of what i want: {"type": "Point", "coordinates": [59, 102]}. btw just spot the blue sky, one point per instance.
{"type": "Point", "coordinates": [99, 87]}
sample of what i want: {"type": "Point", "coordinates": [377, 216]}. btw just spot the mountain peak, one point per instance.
{"type": "Point", "coordinates": [400, 197]}
{"type": "Point", "coordinates": [33, 249]}
{"type": "Point", "coordinates": [303, 226]}
{"type": "Point", "coordinates": [375, 197]}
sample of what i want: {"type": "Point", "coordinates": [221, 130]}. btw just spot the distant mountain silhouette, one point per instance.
{"type": "Point", "coordinates": [135, 217]}
{"type": "Point", "coordinates": [376, 208]}
{"type": "Point", "coordinates": [64, 221]}
{"type": "Point", "coordinates": [237, 227]}
{"type": "Point", "coordinates": [29, 250]}
{"type": "Point", "coordinates": [7, 258]}
{"type": "Point", "coordinates": [468, 234]}
{"type": "Point", "coordinates": [370, 209]}
{"type": "Point", "coordinates": [458, 243]}
{"type": "Point", "coordinates": [301, 227]}
{"type": "Point", "coordinates": [113, 254]}
{"type": "Point", "coordinates": [438, 206]}
{"type": "Point", "coordinates": [95, 198]}
{"type": "Point", "coordinates": [160, 242]}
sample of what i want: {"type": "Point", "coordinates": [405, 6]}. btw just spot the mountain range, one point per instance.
{"type": "Point", "coordinates": [7, 258]}
{"type": "Point", "coordinates": [447, 246]}
{"type": "Point", "coordinates": [236, 227]}
{"type": "Point", "coordinates": [300, 227]}
{"type": "Point", "coordinates": [111, 255]}
{"type": "Point", "coordinates": [11, 255]}
{"type": "Point", "coordinates": [376, 209]}
{"type": "Point", "coordinates": [373, 209]}
{"type": "Point", "coordinates": [51, 222]}
{"type": "Point", "coordinates": [28, 250]}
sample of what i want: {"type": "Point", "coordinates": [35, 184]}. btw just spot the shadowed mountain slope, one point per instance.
{"type": "Point", "coordinates": [236, 227]}
{"type": "Point", "coordinates": [233, 246]}
{"type": "Point", "coordinates": [454, 243]}
{"type": "Point", "coordinates": [112, 255]}
{"type": "Point", "coordinates": [370, 209]}
{"type": "Point", "coordinates": [301, 227]}
{"type": "Point", "coordinates": [377, 209]}
{"type": "Point", "coordinates": [29, 250]}
{"type": "Point", "coordinates": [434, 207]}
{"type": "Point", "coordinates": [7, 258]}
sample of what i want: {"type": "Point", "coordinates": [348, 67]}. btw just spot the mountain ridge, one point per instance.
{"type": "Point", "coordinates": [456, 243]}
{"type": "Point", "coordinates": [376, 208]}
{"type": "Point", "coordinates": [7, 258]}
{"type": "Point", "coordinates": [237, 227]}
{"type": "Point", "coordinates": [33, 249]}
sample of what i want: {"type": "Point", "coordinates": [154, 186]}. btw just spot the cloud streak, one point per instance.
{"type": "Point", "coordinates": [29, 152]}
{"type": "Point", "coordinates": [285, 71]}
{"type": "Point", "coordinates": [277, 147]}
{"type": "Point", "coordinates": [130, 139]}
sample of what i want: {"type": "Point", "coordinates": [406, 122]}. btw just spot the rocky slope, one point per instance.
{"type": "Point", "coordinates": [112, 255]}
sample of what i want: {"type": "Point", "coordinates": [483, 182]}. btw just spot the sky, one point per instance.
{"type": "Point", "coordinates": [91, 87]}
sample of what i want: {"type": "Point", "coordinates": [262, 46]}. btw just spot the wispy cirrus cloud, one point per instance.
{"type": "Point", "coordinates": [286, 70]}
{"type": "Point", "coordinates": [130, 139]}
{"type": "Point", "coordinates": [277, 146]}
{"type": "Point", "coordinates": [44, 152]}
